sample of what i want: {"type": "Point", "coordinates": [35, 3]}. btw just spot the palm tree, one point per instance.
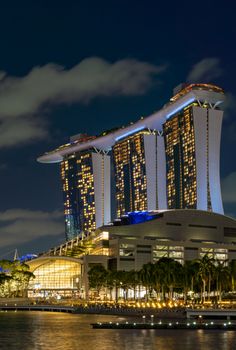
{"type": "Point", "coordinates": [115, 279]}
{"type": "Point", "coordinates": [139, 275]}
{"type": "Point", "coordinates": [97, 277]}
{"type": "Point", "coordinates": [169, 275]}
{"type": "Point", "coordinates": [232, 267]}
{"type": "Point", "coordinates": [188, 274]}
{"type": "Point", "coordinates": [222, 276]}
{"type": "Point", "coordinates": [205, 273]}
{"type": "Point", "coordinates": [156, 277]}
{"type": "Point", "coordinates": [127, 278]}
{"type": "Point", "coordinates": [146, 277]}
{"type": "Point", "coordinates": [133, 280]}
{"type": "Point", "coordinates": [110, 282]}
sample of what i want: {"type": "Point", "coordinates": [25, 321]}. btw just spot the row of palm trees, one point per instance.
{"type": "Point", "coordinates": [167, 278]}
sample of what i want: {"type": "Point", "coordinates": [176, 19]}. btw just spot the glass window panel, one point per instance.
{"type": "Point", "coordinates": [161, 247]}
{"type": "Point", "coordinates": [176, 255]}
{"type": "Point", "coordinates": [56, 274]}
{"type": "Point", "coordinates": [160, 254]}
{"type": "Point", "coordinates": [176, 248]}
{"type": "Point", "coordinates": [221, 256]}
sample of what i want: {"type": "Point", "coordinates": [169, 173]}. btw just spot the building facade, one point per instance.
{"type": "Point", "coordinates": [170, 159]}
{"type": "Point", "coordinates": [136, 239]}
{"type": "Point", "coordinates": [192, 144]}
{"type": "Point", "coordinates": [86, 191]}
{"type": "Point", "coordinates": [140, 172]}
{"type": "Point", "coordinates": [142, 237]}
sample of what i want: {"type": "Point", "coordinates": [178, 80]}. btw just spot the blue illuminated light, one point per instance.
{"type": "Point", "coordinates": [137, 217]}
{"type": "Point", "coordinates": [180, 107]}
{"type": "Point", "coordinates": [27, 257]}
{"type": "Point", "coordinates": [129, 133]}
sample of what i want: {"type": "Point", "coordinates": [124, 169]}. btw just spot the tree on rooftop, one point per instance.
{"type": "Point", "coordinates": [83, 248]}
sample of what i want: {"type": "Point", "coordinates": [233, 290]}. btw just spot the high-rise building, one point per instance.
{"type": "Point", "coordinates": [86, 191]}
{"type": "Point", "coordinates": [139, 162]}
{"type": "Point", "coordinates": [192, 144]}
{"type": "Point", "coordinates": [168, 160]}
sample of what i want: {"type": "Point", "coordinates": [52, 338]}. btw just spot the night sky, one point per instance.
{"type": "Point", "coordinates": [87, 66]}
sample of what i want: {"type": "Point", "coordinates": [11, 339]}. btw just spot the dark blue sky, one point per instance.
{"type": "Point", "coordinates": [173, 36]}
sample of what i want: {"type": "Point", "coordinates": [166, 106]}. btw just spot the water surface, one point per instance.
{"type": "Point", "coordinates": [45, 330]}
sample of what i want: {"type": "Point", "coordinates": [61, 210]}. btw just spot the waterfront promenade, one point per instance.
{"type": "Point", "coordinates": [211, 313]}
{"type": "Point", "coordinates": [98, 309]}
{"type": "Point", "coordinates": [49, 308]}
{"type": "Point", "coordinates": [147, 313]}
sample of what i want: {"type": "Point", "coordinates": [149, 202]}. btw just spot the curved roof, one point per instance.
{"type": "Point", "coordinates": [182, 214]}
{"type": "Point", "coordinates": [179, 225]}
{"type": "Point", "coordinates": [154, 121]}
{"type": "Point", "coordinates": [35, 263]}
{"type": "Point", "coordinates": [157, 217]}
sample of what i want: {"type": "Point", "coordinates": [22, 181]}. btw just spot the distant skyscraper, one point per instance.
{"type": "Point", "coordinates": [139, 162]}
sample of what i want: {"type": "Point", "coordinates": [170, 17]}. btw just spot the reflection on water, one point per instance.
{"type": "Point", "coordinates": [41, 330]}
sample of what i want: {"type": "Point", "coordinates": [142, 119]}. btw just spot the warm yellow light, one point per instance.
{"type": "Point", "coordinates": [105, 235]}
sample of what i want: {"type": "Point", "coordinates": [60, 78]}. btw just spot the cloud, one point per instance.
{"type": "Point", "coordinates": [2, 75]}
{"type": "Point", "coordinates": [18, 226]}
{"type": "Point", "coordinates": [228, 186]}
{"type": "Point", "coordinates": [3, 166]}
{"type": "Point", "coordinates": [23, 99]}
{"type": "Point", "coordinates": [229, 105]}
{"type": "Point", "coordinates": [205, 71]}
{"type": "Point", "coordinates": [92, 77]}
{"type": "Point", "coordinates": [21, 130]}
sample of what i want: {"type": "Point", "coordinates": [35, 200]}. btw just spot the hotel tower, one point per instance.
{"type": "Point", "coordinates": [168, 160]}
{"type": "Point", "coordinates": [140, 172]}
{"type": "Point", "coordinates": [192, 145]}
{"type": "Point", "coordinates": [85, 179]}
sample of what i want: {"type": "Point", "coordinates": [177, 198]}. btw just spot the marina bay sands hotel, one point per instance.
{"type": "Point", "coordinates": [168, 160]}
